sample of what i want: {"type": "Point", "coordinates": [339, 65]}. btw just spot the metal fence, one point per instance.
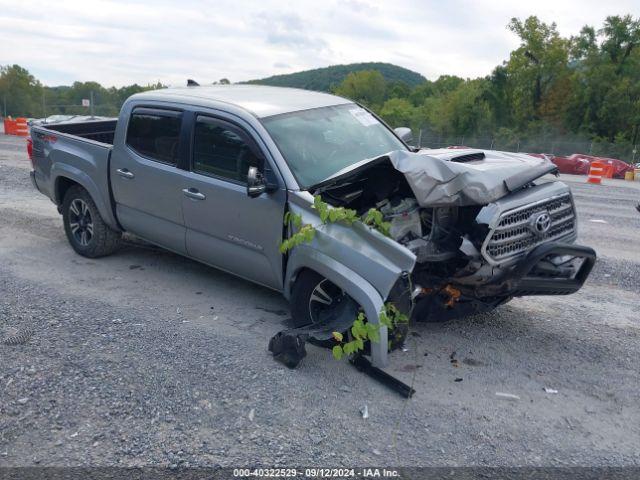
{"type": "Point", "coordinates": [554, 146]}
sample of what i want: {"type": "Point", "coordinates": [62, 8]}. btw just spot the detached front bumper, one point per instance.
{"type": "Point", "coordinates": [550, 269]}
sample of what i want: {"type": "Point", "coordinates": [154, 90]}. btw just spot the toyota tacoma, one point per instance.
{"type": "Point", "coordinates": [211, 172]}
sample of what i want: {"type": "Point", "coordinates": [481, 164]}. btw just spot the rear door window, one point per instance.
{"type": "Point", "coordinates": [155, 134]}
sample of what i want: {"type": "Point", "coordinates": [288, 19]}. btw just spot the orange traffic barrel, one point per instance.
{"type": "Point", "coordinates": [596, 172]}
{"type": "Point", "coordinates": [9, 126]}
{"type": "Point", "coordinates": [21, 128]}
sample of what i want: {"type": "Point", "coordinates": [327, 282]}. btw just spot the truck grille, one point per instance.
{"type": "Point", "coordinates": [524, 228]}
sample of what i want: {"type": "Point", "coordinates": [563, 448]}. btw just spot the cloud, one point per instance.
{"type": "Point", "coordinates": [289, 30]}
{"type": "Point", "coordinates": [119, 42]}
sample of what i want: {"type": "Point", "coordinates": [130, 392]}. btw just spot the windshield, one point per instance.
{"type": "Point", "coordinates": [320, 142]}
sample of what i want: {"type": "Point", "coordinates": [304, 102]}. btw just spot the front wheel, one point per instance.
{"type": "Point", "coordinates": [86, 231]}
{"type": "Point", "coordinates": [314, 297]}
{"type": "Point", "coordinates": [311, 297]}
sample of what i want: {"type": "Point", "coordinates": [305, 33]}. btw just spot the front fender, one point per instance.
{"type": "Point", "coordinates": [358, 259]}
{"type": "Point", "coordinates": [361, 249]}
{"type": "Point", "coordinates": [358, 288]}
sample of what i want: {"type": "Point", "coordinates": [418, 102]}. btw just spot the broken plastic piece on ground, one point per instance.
{"type": "Point", "coordinates": [550, 390]}
{"type": "Point", "coordinates": [364, 411]}
{"type": "Point", "coordinates": [287, 349]}
{"type": "Point", "coordinates": [288, 346]}
{"type": "Point", "coordinates": [364, 365]}
{"type": "Point", "coordinates": [508, 396]}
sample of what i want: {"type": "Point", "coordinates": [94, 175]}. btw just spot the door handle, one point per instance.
{"type": "Point", "coordinates": [123, 172]}
{"type": "Point", "coordinates": [193, 193]}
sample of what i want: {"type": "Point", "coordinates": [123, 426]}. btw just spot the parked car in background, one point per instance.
{"type": "Point", "coordinates": [619, 167]}
{"type": "Point", "coordinates": [573, 164]}
{"type": "Point", "coordinates": [580, 163]}
{"type": "Point", "coordinates": [53, 119]}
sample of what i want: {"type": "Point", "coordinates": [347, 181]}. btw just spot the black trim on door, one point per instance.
{"type": "Point", "coordinates": [185, 148]}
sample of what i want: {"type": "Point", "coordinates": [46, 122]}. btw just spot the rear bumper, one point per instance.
{"type": "Point", "coordinates": [550, 269]}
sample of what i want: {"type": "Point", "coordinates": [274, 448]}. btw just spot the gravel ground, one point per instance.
{"type": "Point", "coordinates": [145, 358]}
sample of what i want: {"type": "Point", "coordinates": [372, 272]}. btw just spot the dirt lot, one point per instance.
{"type": "Point", "coordinates": [145, 357]}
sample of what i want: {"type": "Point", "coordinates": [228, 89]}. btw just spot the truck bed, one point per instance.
{"type": "Point", "coordinates": [99, 131]}
{"type": "Point", "coordinates": [75, 152]}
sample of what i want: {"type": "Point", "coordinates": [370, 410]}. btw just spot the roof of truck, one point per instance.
{"type": "Point", "coordinates": [260, 100]}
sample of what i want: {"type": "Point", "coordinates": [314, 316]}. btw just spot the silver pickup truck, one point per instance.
{"type": "Point", "coordinates": [210, 172]}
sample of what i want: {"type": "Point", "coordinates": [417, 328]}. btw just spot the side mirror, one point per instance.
{"type": "Point", "coordinates": [256, 185]}
{"type": "Point", "coordinates": [405, 134]}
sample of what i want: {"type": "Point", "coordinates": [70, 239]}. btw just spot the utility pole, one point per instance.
{"type": "Point", "coordinates": [5, 105]}
{"type": "Point", "coordinates": [91, 103]}
{"type": "Point", "coordinates": [44, 104]}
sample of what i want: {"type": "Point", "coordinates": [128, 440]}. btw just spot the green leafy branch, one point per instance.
{"type": "Point", "coordinates": [361, 331]}
{"type": "Point", "coordinates": [306, 233]}
{"type": "Point", "coordinates": [375, 219]}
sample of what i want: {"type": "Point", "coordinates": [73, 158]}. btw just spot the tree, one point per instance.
{"type": "Point", "coordinates": [367, 87]}
{"type": "Point", "coordinates": [21, 91]}
{"type": "Point", "coordinates": [622, 36]}
{"type": "Point", "coordinates": [539, 61]}
{"type": "Point", "coordinates": [398, 112]}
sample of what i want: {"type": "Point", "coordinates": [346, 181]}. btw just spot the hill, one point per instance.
{"type": "Point", "coordinates": [322, 79]}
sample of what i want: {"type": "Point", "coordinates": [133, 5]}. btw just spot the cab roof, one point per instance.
{"type": "Point", "coordinates": [260, 100]}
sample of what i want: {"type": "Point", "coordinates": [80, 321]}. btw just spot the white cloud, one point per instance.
{"type": "Point", "coordinates": [121, 42]}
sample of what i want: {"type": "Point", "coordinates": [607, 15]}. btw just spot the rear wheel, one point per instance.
{"type": "Point", "coordinates": [86, 231]}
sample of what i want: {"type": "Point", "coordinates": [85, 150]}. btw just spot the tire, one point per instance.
{"type": "Point", "coordinates": [301, 294]}
{"type": "Point", "coordinates": [302, 315]}
{"type": "Point", "coordinates": [86, 231]}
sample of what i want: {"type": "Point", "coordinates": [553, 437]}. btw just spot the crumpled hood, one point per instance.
{"type": "Point", "coordinates": [461, 177]}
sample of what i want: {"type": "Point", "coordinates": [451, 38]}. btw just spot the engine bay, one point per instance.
{"type": "Point", "coordinates": [434, 235]}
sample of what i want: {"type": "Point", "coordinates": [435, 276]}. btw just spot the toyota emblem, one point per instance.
{"type": "Point", "coordinates": [540, 223]}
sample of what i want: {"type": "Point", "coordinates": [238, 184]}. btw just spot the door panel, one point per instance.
{"type": "Point", "coordinates": [147, 190]}
{"type": "Point", "coordinates": [225, 227]}
{"type": "Point", "coordinates": [234, 232]}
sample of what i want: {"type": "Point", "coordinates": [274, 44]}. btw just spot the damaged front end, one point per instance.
{"type": "Point", "coordinates": [469, 231]}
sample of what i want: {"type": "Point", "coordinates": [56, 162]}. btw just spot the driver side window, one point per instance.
{"type": "Point", "coordinates": [221, 151]}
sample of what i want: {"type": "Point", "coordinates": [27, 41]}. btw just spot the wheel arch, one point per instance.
{"type": "Point", "coordinates": [305, 258]}
{"type": "Point", "coordinates": [67, 178]}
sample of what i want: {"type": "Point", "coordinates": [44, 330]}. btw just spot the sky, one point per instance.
{"type": "Point", "coordinates": [145, 41]}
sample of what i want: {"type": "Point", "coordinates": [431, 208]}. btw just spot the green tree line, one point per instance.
{"type": "Point", "coordinates": [21, 94]}
{"type": "Point", "coordinates": [583, 87]}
